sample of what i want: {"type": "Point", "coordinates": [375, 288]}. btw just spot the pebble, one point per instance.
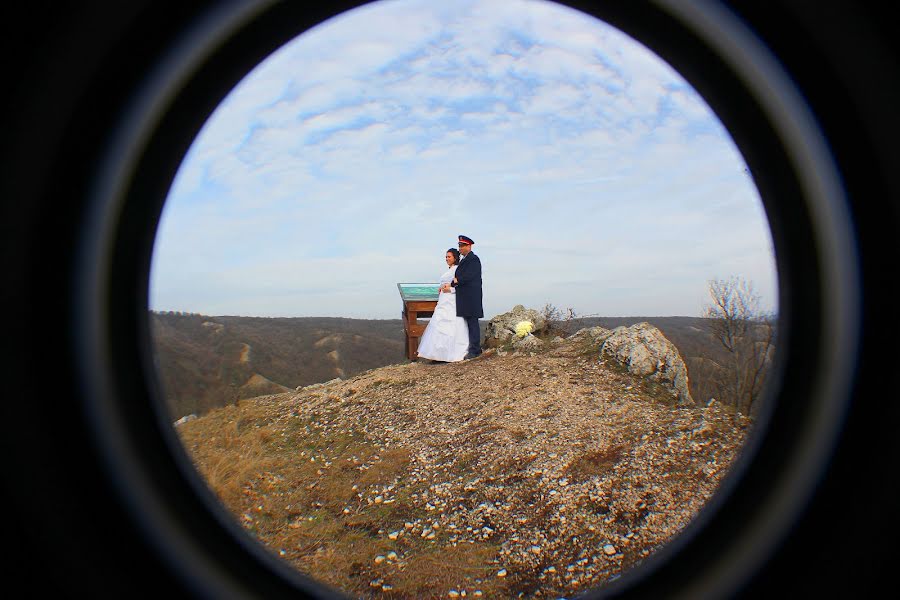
{"type": "Point", "coordinates": [393, 535]}
{"type": "Point", "coordinates": [609, 549]}
{"type": "Point", "coordinates": [379, 559]}
{"type": "Point", "coordinates": [501, 573]}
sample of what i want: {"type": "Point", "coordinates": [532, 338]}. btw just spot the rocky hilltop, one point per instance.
{"type": "Point", "coordinates": [536, 470]}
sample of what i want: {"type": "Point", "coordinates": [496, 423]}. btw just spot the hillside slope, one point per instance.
{"type": "Point", "coordinates": [206, 362]}
{"type": "Point", "coordinates": [540, 474]}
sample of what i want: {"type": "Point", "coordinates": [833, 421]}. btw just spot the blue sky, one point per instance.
{"type": "Point", "coordinates": [588, 172]}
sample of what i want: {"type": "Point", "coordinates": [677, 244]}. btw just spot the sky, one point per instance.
{"type": "Point", "coordinates": [588, 172]}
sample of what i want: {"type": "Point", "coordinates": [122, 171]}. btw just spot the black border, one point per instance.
{"type": "Point", "coordinates": [105, 101]}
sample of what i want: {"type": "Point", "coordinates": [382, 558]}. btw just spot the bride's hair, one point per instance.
{"type": "Point", "coordinates": [455, 254]}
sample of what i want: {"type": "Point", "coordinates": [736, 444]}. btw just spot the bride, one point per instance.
{"type": "Point", "coordinates": [446, 338]}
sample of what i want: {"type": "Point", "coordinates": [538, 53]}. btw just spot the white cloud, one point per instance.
{"type": "Point", "coordinates": [350, 160]}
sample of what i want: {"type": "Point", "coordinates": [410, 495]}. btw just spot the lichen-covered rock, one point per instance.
{"type": "Point", "coordinates": [501, 329]}
{"type": "Point", "coordinates": [645, 351]}
{"type": "Point", "coordinates": [529, 342]}
{"type": "Point", "coordinates": [594, 335]}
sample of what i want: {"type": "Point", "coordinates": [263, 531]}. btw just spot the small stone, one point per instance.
{"type": "Point", "coordinates": [392, 555]}
{"type": "Point", "coordinates": [386, 587]}
{"type": "Point", "coordinates": [379, 559]}
{"type": "Point", "coordinates": [393, 535]}
{"type": "Point", "coordinates": [609, 549]}
{"type": "Point", "coordinates": [379, 499]}
{"type": "Point", "coordinates": [453, 594]}
{"type": "Point", "coordinates": [501, 573]}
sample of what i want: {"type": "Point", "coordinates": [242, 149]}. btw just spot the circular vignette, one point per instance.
{"type": "Point", "coordinates": [734, 73]}
{"type": "Point", "coordinates": [809, 394]}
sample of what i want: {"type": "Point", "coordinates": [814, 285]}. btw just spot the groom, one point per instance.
{"type": "Point", "coordinates": [468, 293]}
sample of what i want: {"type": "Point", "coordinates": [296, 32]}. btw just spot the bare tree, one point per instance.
{"type": "Point", "coordinates": [746, 335]}
{"type": "Point", "coordinates": [557, 321]}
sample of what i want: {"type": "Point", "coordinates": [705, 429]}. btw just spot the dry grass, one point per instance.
{"type": "Point", "coordinates": [319, 512]}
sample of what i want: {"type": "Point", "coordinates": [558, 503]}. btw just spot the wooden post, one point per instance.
{"type": "Point", "coordinates": [412, 310]}
{"type": "Point", "coordinates": [419, 300]}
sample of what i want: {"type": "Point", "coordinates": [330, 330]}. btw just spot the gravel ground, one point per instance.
{"type": "Point", "coordinates": [564, 470]}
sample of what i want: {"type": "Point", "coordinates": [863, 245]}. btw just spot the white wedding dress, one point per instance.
{"type": "Point", "coordinates": [446, 338]}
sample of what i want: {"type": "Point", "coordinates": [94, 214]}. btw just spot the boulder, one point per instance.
{"type": "Point", "coordinates": [529, 342]}
{"type": "Point", "coordinates": [501, 329]}
{"type": "Point", "coordinates": [645, 351]}
{"type": "Point", "coordinates": [185, 419]}
{"type": "Point", "coordinates": [594, 335]}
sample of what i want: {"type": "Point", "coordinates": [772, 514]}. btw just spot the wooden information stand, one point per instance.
{"type": "Point", "coordinates": [419, 300]}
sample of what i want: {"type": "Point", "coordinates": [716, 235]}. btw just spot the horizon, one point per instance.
{"type": "Point", "coordinates": [592, 316]}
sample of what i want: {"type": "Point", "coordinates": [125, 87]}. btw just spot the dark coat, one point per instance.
{"type": "Point", "coordinates": [468, 288]}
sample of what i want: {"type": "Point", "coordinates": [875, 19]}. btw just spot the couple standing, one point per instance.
{"type": "Point", "coordinates": [453, 332]}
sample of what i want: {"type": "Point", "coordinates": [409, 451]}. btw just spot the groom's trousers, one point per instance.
{"type": "Point", "coordinates": [474, 335]}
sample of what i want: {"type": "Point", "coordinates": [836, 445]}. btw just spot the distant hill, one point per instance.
{"type": "Point", "coordinates": [207, 362]}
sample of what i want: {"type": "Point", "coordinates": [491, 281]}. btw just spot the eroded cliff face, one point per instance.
{"type": "Point", "coordinates": [546, 473]}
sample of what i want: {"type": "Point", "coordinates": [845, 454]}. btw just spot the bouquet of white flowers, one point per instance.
{"type": "Point", "coordinates": [523, 328]}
